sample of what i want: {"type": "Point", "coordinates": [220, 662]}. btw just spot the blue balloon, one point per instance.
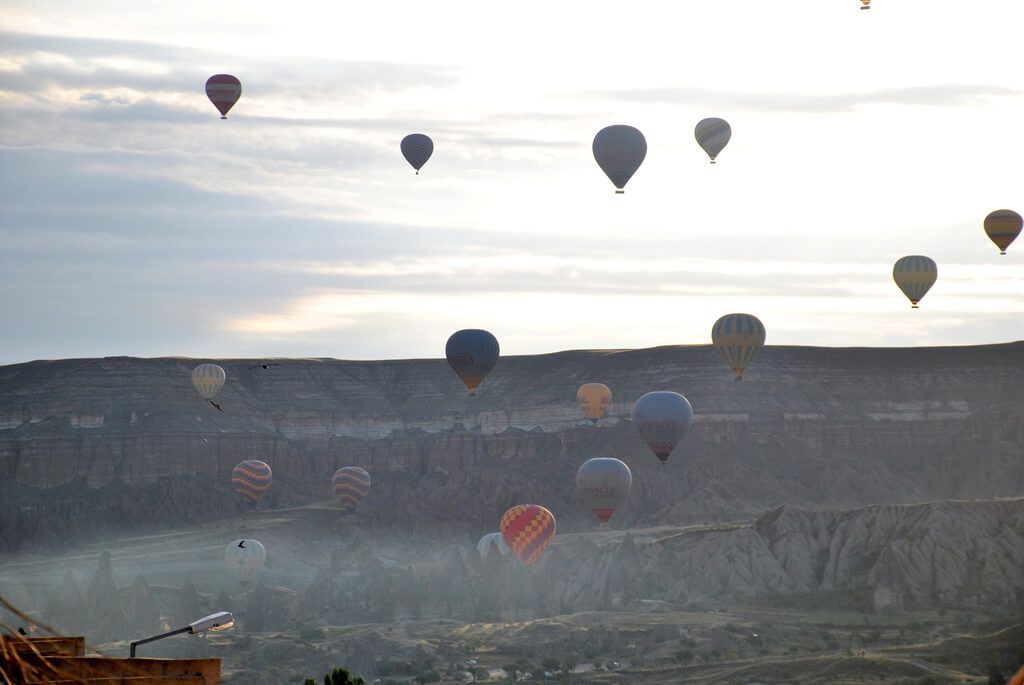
{"type": "Point", "coordinates": [472, 353]}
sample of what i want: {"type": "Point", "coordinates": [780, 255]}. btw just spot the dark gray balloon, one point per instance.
{"type": "Point", "coordinates": [619, 151]}
{"type": "Point", "coordinates": [663, 419]}
{"type": "Point", "coordinates": [603, 483]}
{"type": "Point", "coordinates": [417, 148]}
{"type": "Point", "coordinates": [713, 135]}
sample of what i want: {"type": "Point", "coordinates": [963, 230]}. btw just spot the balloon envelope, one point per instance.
{"type": "Point", "coordinates": [472, 353]}
{"type": "Point", "coordinates": [246, 557]}
{"type": "Point", "coordinates": [528, 529]}
{"type": "Point", "coordinates": [738, 337]}
{"type": "Point", "coordinates": [208, 379]}
{"type": "Point", "coordinates": [619, 151]}
{"type": "Point", "coordinates": [223, 91]}
{"type": "Point", "coordinates": [915, 275]}
{"type": "Point", "coordinates": [1002, 227]}
{"type": "Point", "coordinates": [604, 484]}
{"type": "Point", "coordinates": [663, 419]}
{"type": "Point", "coordinates": [712, 135]}
{"type": "Point", "coordinates": [417, 148]}
{"type": "Point", "coordinates": [594, 399]}
{"type": "Point", "coordinates": [495, 540]}
{"type": "Point", "coordinates": [350, 485]}
{"type": "Point", "coordinates": [251, 479]}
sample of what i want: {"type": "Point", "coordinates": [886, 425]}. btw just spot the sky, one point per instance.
{"type": "Point", "coordinates": [134, 221]}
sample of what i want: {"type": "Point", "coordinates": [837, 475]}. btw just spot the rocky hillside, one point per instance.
{"type": "Point", "coordinates": [94, 446]}
{"type": "Point", "coordinates": [953, 555]}
{"type": "Point", "coordinates": [878, 557]}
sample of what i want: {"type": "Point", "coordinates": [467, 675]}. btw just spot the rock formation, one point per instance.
{"type": "Point", "coordinates": [90, 447]}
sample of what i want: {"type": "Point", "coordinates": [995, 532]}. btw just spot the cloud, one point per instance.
{"type": "Point", "coordinates": [939, 95]}
{"type": "Point", "coordinates": [36, 62]}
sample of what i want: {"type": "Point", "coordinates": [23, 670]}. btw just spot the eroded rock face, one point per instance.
{"type": "Point", "coordinates": [937, 552]}
{"type": "Point", "coordinates": [93, 446]}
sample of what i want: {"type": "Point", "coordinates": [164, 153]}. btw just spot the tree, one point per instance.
{"type": "Point", "coordinates": [338, 676]}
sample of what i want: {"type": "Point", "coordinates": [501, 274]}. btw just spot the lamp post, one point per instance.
{"type": "Point", "coordinates": [222, 620]}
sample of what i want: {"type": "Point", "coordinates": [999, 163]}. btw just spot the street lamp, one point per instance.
{"type": "Point", "coordinates": [222, 620]}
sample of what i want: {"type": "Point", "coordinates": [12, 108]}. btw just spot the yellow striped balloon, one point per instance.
{"type": "Point", "coordinates": [350, 485]}
{"type": "Point", "coordinates": [251, 479]}
{"type": "Point", "coordinates": [208, 379]}
{"type": "Point", "coordinates": [915, 275]}
{"type": "Point", "coordinates": [594, 399]}
{"type": "Point", "coordinates": [1002, 227]}
{"type": "Point", "coordinates": [527, 530]}
{"type": "Point", "coordinates": [738, 337]}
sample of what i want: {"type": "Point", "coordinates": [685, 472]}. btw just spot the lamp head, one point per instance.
{"type": "Point", "coordinates": [222, 620]}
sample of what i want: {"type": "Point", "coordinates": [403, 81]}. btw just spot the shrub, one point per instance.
{"type": "Point", "coordinates": [428, 677]}
{"type": "Point", "coordinates": [338, 676]}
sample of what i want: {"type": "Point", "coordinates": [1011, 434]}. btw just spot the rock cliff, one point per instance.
{"type": "Point", "coordinates": [94, 446]}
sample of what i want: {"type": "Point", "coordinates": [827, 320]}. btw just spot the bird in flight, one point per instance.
{"type": "Point", "coordinates": [216, 405]}
{"type": "Point", "coordinates": [241, 543]}
{"type": "Point", "coordinates": [263, 366]}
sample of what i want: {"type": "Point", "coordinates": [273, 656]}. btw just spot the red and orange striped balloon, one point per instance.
{"type": "Point", "coordinates": [350, 485]}
{"type": "Point", "coordinates": [527, 529]}
{"type": "Point", "coordinates": [251, 479]}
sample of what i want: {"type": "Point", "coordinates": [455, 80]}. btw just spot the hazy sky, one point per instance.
{"type": "Point", "coordinates": [134, 221]}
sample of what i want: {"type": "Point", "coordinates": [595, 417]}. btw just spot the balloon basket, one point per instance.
{"type": "Point", "coordinates": [620, 192]}
{"type": "Point", "coordinates": [223, 117]}
{"type": "Point", "coordinates": [1002, 252]}
{"type": "Point", "coordinates": [914, 306]}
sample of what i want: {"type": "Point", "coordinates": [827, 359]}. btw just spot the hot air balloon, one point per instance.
{"type": "Point", "coordinates": [738, 337]}
{"type": "Point", "coordinates": [604, 484]}
{"type": "Point", "coordinates": [251, 479]}
{"type": "Point", "coordinates": [223, 91]}
{"type": "Point", "coordinates": [619, 151]}
{"type": "Point", "coordinates": [915, 274]}
{"type": "Point", "coordinates": [712, 135]}
{"type": "Point", "coordinates": [350, 485]}
{"type": "Point", "coordinates": [472, 353]}
{"type": "Point", "coordinates": [663, 419]}
{"type": "Point", "coordinates": [246, 557]}
{"type": "Point", "coordinates": [594, 399]}
{"type": "Point", "coordinates": [865, 4]}
{"type": "Point", "coordinates": [208, 379]}
{"type": "Point", "coordinates": [417, 148]}
{"type": "Point", "coordinates": [1003, 226]}
{"type": "Point", "coordinates": [527, 529]}
{"type": "Point", "coordinates": [495, 539]}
